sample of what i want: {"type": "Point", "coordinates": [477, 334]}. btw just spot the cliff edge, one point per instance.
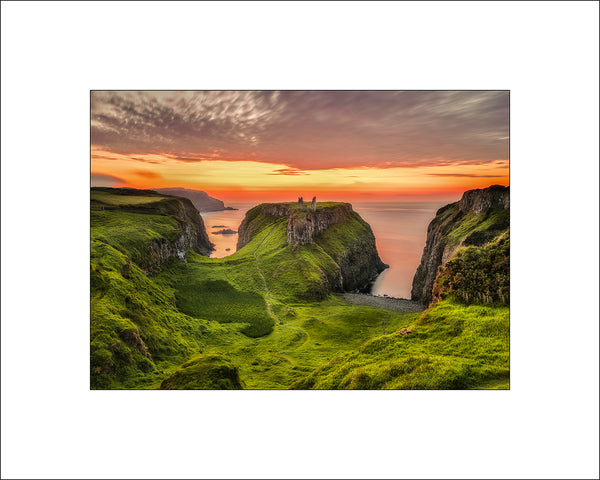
{"type": "Point", "coordinates": [158, 226]}
{"type": "Point", "coordinates": [332, 229]}
{"type": "Point", "coordinates": [479, 218]}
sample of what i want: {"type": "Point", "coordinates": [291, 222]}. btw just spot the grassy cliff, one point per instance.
{"type": "Point", "coordinates": [135, 331]}
{"type": "Point", "coordinates": [481, 217]}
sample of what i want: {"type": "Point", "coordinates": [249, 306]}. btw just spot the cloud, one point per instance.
{"type": "Point", "coordinates": [146, 174]}
{"type": "Point", "coordinates": [288, 171]}
{"type": "Point", "coordinates": [103, 180]}
{"type": "Point", "coordinates": [306, 129]}
{"type": "Point", "coordinates": [164, 122]}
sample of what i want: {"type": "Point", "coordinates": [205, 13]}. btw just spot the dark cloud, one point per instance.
{"type": "Point", "coordinates": [102, 180]}
{"type": "Point", "coordinates": [307, 130]}
{"type": "Point", "coordinates": [288, 171]}
{"type": "Point", "coordinates": [145, 160]}
{"type": "Point", "coordinates": [146, 174]}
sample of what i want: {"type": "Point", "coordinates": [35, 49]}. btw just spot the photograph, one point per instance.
{"type": "Point", "coordinates": [273, 240]}
{"type": "Point", "coordinates": [299, 240]}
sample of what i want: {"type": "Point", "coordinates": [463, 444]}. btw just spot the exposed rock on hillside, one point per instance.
{"type": "Point", "coordinates": [192, 237]}
{"type": "Point", "coordinates": [304, 226]}
{"type": "Point", "coordinates": [478, 218]}
{"type": "Point", "coordinates": [191, 230]}
{"type": "Point", "coordinates": [485, 199]}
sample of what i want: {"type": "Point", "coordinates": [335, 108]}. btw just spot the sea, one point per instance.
{"type": "Point", "coordinates": [400, 230]}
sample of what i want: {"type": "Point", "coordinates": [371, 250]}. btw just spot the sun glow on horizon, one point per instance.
{"type": "Point", "coordinates": [252, 178]}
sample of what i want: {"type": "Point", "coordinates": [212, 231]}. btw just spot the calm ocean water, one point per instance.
{"type": "Point", "coordinates": [221, 220]}
{"type": "Point", "coordinates": [400, 230]}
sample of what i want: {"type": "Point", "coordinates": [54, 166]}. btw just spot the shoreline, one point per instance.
{"type": "Point", "coordinates": [385, 302]}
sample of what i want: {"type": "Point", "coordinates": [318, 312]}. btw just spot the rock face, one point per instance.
{"type": "Point", "coordinates": [359, 263]}
{"type": "Point", "coordinates": [192, 232]}
{"type": "Point", "coordinates": [483, 200]}
{"type": "Point", "coordinates": [336, 228]}
{"type": "Point", "coordinates": [303, 227]}
{"type": "Point", "coordinates": [193, 237]}
{"type": "Point", "coordinates": [201, 200]}
{"type": "Point", "coordinates": [478, 217]}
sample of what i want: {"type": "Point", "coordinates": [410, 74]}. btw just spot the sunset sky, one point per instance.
{"type": "Point", "coordinates": [338, 145]}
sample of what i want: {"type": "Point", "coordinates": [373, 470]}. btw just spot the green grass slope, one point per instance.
{"type": "Point", "coordinates": [137, 334]}
{"type": "Point", "coordinates": [452, 346]}
{"type": "Point", "coordinates": [474, 229]}
{"type": "Point", "coordinates": [308, 335]}
{"type": "Point", "coordinates": [135, 330]}
{"type": "Point", "coordinates": [132, 233]}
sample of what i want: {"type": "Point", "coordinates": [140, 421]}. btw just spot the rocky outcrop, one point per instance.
{"type": "Point", "coordinates": [477, 218]}
{"type": "Point", "coordinates": [359, 261]}
{"type": "Point", "coordinates": [483, 200]}
{"type": "Point", "coordinates": [161, 249]}
{"type": "Point", "coordinates": [304, 226]}
{"type": "Point", "coordinates": [192, 236]}
{"type": "Point", "coordinates": [191, 232]}
{"type": "Point", "coordinates": [336, 228]}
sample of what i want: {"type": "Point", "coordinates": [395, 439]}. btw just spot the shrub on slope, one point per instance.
{"type": "Point", "coordinates": [204, 372]}
{"type": "Point", "coordinates": [477, 274]}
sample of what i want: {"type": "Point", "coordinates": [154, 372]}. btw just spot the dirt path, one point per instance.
{"type": "Point", "coordinates": [262, 276]}
{"type": "Point", "coordinates": [288, 359]}
{"type": "Point", "coordinates": [387, 303]}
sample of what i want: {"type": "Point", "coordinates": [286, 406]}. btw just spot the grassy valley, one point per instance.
{"type": "Point", "coordinates": [269, 316]}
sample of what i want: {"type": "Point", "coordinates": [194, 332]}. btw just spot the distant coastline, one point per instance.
{"type": "Point", "coordinates": [201, 200]}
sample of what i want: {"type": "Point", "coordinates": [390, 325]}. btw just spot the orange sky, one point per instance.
{"type": "Point", "coordinates": [237, 180]}
{"type": "Point", "coordinates": [280, 145]}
